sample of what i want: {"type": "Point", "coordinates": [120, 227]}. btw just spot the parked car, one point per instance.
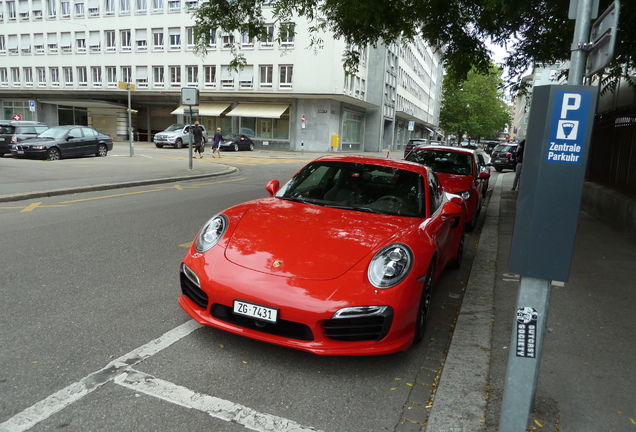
{"type": "Point", "coordinates": [459, 171]}
{"type": "Point", "coordinates": [359, 282]}
{"type": "Point", "coordinates": [64, 141]}
{"type": "Point", "coordinates": [14, 131]}
{"type": "Point", "coordinates": [412, 143]}
{"type": "Point", "coordinates": [236, 142]}
{"type": "Point", "coordinates": [504, 156]}
{"type": "Point", "coordinates": [176, 135]}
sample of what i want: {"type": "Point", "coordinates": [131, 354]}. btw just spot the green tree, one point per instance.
{"type": "Point", "coordinates": [540, 29]}
{"type": "Point", "coordinates": [474, 106]}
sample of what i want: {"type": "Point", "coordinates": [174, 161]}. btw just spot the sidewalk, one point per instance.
{"type": "Point", "coordinates": [586, 381]}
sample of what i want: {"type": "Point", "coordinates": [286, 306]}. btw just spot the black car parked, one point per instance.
{"type": "Point", "coordinates": [236, 142]}
{"type": "Point", "coordinates": [64, 141]}
{"type": "Point", "coordinates": [15, 131]}
{"type": "Point", "coordinates": [414, 143]}
{"type": "Point", "coordinates": [504, 156]}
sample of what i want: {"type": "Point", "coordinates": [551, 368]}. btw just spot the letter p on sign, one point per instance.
{"type": "Point", "coordinates": [571, 102]}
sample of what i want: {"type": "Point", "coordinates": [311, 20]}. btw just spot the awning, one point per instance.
{"type": "Point", "coordinates": [259, 110]}
{"type": "Point", "coordinates": [208, 109]}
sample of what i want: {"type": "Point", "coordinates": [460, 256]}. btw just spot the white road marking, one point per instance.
{"type": "Point", "coordinates": [213, 406]}
{"type": "Point", "coordinates": [59, 400]}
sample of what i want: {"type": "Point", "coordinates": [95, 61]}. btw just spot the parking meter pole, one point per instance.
{"type": "Point", "coordinates": [191, 140]}
{"type": "Point", "coordinates": [525, 354]}
{"type": "Point", "coordinates": [580, 41]}
{"type": "Point", "coordinates": [130, 128]}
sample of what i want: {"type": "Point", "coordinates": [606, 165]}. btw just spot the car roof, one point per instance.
{"type": "Point", "coordinates": [446, 148]}
{"type": "Point", "coordinates": [22, 123]}
{"type": "Point", "coordinates": [374, 160]}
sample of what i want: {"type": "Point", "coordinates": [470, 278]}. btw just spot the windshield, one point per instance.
{"type": "Point", "coordinates": [443, 161]}
{"type": "Point", "coordinates": [505, 148]}
{"type": "Point", "coordinates": [6, 129]}
{"type": "Point", "coordinates": [54, 133]}
{"type": "Point", "coordinates": [359, 187]}
{"type": "Point", "coordinates": [231, 137]}
{"type": "Point", "coordinates": [174, 127]}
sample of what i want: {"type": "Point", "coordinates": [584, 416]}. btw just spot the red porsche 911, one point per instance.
{"type": "Point", "coordinates": [341, 260]}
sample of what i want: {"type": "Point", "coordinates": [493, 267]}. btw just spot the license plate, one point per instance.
{"type": "Point", "coordinates": [20, 151]}
{"type": "Point", "coordinates": [255, 311]}
{"type": "Point", "coordinates": [497, 160]}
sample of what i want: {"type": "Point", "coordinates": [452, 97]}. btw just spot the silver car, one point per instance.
{"type": "Point", "coordinates": [177, 135]}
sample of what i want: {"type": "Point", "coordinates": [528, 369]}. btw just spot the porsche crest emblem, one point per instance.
{"type": "Point", "coordinates": [278, 263]}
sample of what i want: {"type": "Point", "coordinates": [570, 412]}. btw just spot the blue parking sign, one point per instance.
{"type": "Point", "coordinates": [569, 126]}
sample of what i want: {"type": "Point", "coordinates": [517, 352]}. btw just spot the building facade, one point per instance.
{"type": "Point", "coordinates": [70, 62]}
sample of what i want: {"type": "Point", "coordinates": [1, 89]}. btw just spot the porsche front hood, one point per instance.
{"type": "Point", "coordinates": [455, 183]}
{"type": "Point", "coordinates": [306, 241]}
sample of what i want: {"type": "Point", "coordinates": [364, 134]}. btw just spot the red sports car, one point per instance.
{"type": "Point", "coordinates": [459, 172]}
{"type": "Point", "coordinates": [341, 260]}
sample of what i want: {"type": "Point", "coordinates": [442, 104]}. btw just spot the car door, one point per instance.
{"type": "Point", "coordinates": [72, 144]}
{"type": "Point", "coordinates": [89, 141]}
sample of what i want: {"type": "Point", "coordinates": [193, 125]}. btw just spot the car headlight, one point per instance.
{"type": "Point", "coordinates": [211, 233]}
{"type": "Point", "coordinates": [465, 195]}
{"type": "Point", "coordinates": [390, 266]}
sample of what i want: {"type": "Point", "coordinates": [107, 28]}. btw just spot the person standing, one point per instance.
{"type": "Point", "coordinates": [216, 143]}
{"type": "Point", "coordinates": [197, 133]}
{"type": "Point", "coordinates": [517, 181]}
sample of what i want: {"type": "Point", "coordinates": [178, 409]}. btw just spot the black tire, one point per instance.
{"type": "Point", "coordinates": [159, 145]}
{"type": "Point", "coordinates": [236, 147]}
{"type": "Point", "coordinates": [457, 261]}
{"type": "Point", "coordinates": [251, 146]}
{"type": "Point", "coordinates": [53, 154]}
{"type": "Point", "coordinates": [178, 143]}
{"type": "Point", "coordinates": [424, 305]}
{"type": "Point", "coordinates": [102, 150]}
{"type": "Point", "coordinates": [499, 169]}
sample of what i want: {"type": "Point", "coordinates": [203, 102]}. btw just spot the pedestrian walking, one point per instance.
{"type": "Point", "coordinates": [517, 181]}
{"type": "Point", "coordinates": [197, 133]}
{"type": "Point", "coordinates": [216, 143]}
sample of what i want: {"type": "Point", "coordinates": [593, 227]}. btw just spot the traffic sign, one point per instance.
{"type": "Point", "coordinates": [603, 40]}
{"type": "Point", "coordinates": [31, 105]}
{"type": "Point", "coordinates": [126, 86]}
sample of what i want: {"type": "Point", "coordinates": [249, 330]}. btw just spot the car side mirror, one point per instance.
{"type": "Point", "coordinates": [484, 175]}
{"type": "Point", "coordinates": [451, 210]}
{"type": "Point", "coordinates": [272, 187]}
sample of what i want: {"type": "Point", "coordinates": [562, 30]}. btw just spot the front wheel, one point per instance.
{"type": "Point", "coordinates": [425, 305]}
{"type": "Point", "coordinates": [251, 146]}
{"type": "Point", "coordinates": [178, 143]}
{"type": "Point", "coordinates": [53, 154]}
{"type": "Point", "coordinates": [499, 169]}
{"type": "Point", "coordinates": [102, 150]}
{"type": "Point", "coordinates": [236, 147]}
{"type": "Point", "coordinates": [159, 145]}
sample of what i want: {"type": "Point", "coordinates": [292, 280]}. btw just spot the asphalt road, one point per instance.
{"type": "Point", "coordinates": [90, 285]}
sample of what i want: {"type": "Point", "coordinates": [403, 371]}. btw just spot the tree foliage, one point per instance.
{"type": "Point", "coordinates": [474, 106]}
{"type": "Point", "coordinates": [533, 31]}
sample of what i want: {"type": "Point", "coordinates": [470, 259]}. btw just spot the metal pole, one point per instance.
{"type": "Point", "coordinates": [580, 42]}
{"type": "Point", "coordinates": [130, 130]}
{"type": "Point", "coordinates": [191, 139]}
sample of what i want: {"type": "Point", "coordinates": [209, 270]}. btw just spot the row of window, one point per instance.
{"type": "Point", "coordinates": [53, 9]}
{"type": "Point", "coordinates": [124, 40]}
{"type": "Point", "coordinates": [145, 76]}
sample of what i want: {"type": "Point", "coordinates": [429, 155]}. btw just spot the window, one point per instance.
{"type": "Point", "coordinates": [191, 4]}
{"type": "Point", "coordinates": [141, 41]}
{"type": "Point", "coordinates": [157, 5]}
{"type": "Point", "coordinates": [126, 74]}
{"type": "Point", "coordinates": [109, 7]}
{"type": "Point", "coordinates": [246, 40]}
{"type": "Point", "coordinates": [189, 38]}
{"type": "Point", "coordinates": [111, 76]}
{"type": "Point", "coordinates": [141, 6]}
{"type": "Point", "coordinates": [65, 7]}
{"type": "Point", "coordinates": [11, 13]}
{"type": "Point", "coordinates": [124, 37]}
{"type": "Point", "coordinates": [68, 76]}
{"type": "Point", "coordinates": [157, 39]}
{"type": "Point", "coordinates": [268, 40]}
{"type": "Point", "coordinates": [228, 39]}
{"type": "Point", "coordinates": [82, 77]}
{"type": "Point", "coordinates": [227, 79]}
{"type": "Point", "coordinates": [94, 41]}
{"type": "Point", "coordinates": [174, 5]}
{"type": "Point", "coordinates": [192, 75]}
{"type": "Point", "coordinates": [174, 33]}
{"type": "Point", "coordinates": [3, 46]}
{"type": "Point", "coordinates": [287, 33]}
{"type": "Point", "coordinates": [96, 76]}
{"type": "Point", "coordinates": [54, 72]}
{"type": "Point", "coordinates": [141, 76]}
{"type": "Point", "coordinates": [212, 39]}
{"type": "Point", "coordinates": [41, 73]}
{"type": "Point", "coordinates": [23, 10]}
{"type": "Point", "coordinates": [124, 7]}
{"type": "Point", "coordinates": [51, 12]}
{"type": "Point", "coordinates": [175, 76]}
{"type": "Point", "coordinates": [210, 76]}
{"type": "Point", "coordinates": [80, 42]}
{"type": "Point", "coordinates": [93, 8]}
{"type": "Point", "coordinates": [28, 76]}
{"type": "Point", "coordinates": [25, 44]}
{"type": "Point", "coordinates": [15, 76]}
{"type": "Point", "coordinates": [266, 75]}
{"type": "Point", "coordinates": [285, 78]}
{"type": "Point", "coordinates": [246, 77]}
{"type": "Point", "coordinates": [158, 76]}
{"type": "Point", "coordinates": [111, 43]}
{"type": "Point", "coordinates": [352, 128]}
{"type": "Point", "coordinates": [37, 9]}
{"type": "Point", "coordinates": [79, 8]}
{"type": "Point", "coordinates": [66, 42]}
{"type": "Point", "coordinates": [4, 78]}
